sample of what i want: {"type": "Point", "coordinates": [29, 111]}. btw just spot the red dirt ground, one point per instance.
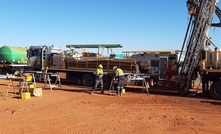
{"type": "Point", "coordinates": [74, 110]}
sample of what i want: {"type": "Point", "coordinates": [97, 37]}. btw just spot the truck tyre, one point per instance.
{"type": "Point", "coordinates": [107, 81]}
{"type": "Point", "coordinates": [215, 90]}
{"type": "Point", "coordinates": [87, 80]}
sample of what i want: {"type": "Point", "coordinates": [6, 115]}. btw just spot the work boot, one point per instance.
{"type": "Point", "coordinates": [92, 92]}
{"type": "Point", "coordinates": [118, 94]}
{"type": "Point", "coordinates": [102, 90]}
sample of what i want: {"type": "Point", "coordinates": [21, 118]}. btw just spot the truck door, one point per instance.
{"type": "Point", "coordinates": [163, 60]}
{"type": "Point", "coordinates": [34, 58]}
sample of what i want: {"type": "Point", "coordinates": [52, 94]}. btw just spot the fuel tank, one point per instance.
{"type": "Point", "coordinates": [12, 54]}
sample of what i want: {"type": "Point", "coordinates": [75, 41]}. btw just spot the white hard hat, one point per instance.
{"type": "Point", "coordinates": [114, 67]}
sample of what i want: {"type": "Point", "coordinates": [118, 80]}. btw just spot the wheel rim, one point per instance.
{"type": "Point", "coordinates": [87, 80]}
{"type": "Point", "coordinates": [217, 90]}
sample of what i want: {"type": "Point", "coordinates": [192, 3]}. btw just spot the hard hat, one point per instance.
{"type": "Point", "coordinates": [100, 66]}
{"type": "Point", "coordinates": [114, 67]}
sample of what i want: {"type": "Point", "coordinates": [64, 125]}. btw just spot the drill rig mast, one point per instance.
{"type": "Point", "coordinates": [201, 14]}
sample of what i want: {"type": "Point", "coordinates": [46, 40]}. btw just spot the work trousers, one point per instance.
{"type": "Point", "coordinates": [97, 82]}
{"type": "Point", "coordinates": [120, 86]}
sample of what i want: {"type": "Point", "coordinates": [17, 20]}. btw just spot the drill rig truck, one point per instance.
{"type": "Point", "coordinates": [75, 67]}
{"type": "Point", "coordinates": [198, 55]}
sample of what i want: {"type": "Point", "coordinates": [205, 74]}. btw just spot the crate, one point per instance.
{"type": "Point", "coordinates": [25, 95]}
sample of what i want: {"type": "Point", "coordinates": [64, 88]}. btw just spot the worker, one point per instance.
{"type": "Point", "coordinates": [119, 75]}
{"type": "Point", "coordinates": [99, 79]}
{"type": "Point", "coordinates": [137, 68]}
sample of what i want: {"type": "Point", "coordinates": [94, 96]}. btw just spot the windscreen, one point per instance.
{"type": "Point", "coordinates": [34, 52]}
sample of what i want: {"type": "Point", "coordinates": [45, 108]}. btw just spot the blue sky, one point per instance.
{"type": "Point", "coordinates": [135, 24]}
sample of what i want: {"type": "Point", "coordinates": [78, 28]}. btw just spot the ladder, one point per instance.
{"type": "Point", "coordinates": [201, 14]}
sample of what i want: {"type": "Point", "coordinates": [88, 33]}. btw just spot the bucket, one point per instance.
{"type": "Point", "coordinates": [123, 91]}
{"type": "Point", "coordinates": [31, 86]}
{"type": "Point", "coordinates": [25, 95]}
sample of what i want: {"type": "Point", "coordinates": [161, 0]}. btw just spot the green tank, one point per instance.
{"type": "Point", "coordinates": [12, 54]}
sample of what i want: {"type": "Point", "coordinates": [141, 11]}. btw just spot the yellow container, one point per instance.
{"type": "Point", "coordinates": [123, 90]}
{"type": "Point", "coordinates": [28, 78]}
{"type": "Point", "coordinates": [32, 86]}
{"type": "Point", "coordinates": [25, 95]}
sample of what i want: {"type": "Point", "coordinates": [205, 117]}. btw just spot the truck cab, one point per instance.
{"type": "Point", "coordinates": [38, 56]}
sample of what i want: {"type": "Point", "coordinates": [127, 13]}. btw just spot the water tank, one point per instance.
{"type": "Point", "coordinates": [12, 54]}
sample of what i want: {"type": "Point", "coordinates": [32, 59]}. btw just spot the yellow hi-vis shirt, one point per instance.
{"type": "Point", "coordinates": [99, 74]}
{"type": "Point", "coordinates": [119, 72]}
{"type": "Point", "coordinates": [99, 71]}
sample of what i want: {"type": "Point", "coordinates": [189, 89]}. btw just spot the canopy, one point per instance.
{"type": "Point", "coordinates": [152, 51]}
{"type": "Point", "coordinates": [94, 46]}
